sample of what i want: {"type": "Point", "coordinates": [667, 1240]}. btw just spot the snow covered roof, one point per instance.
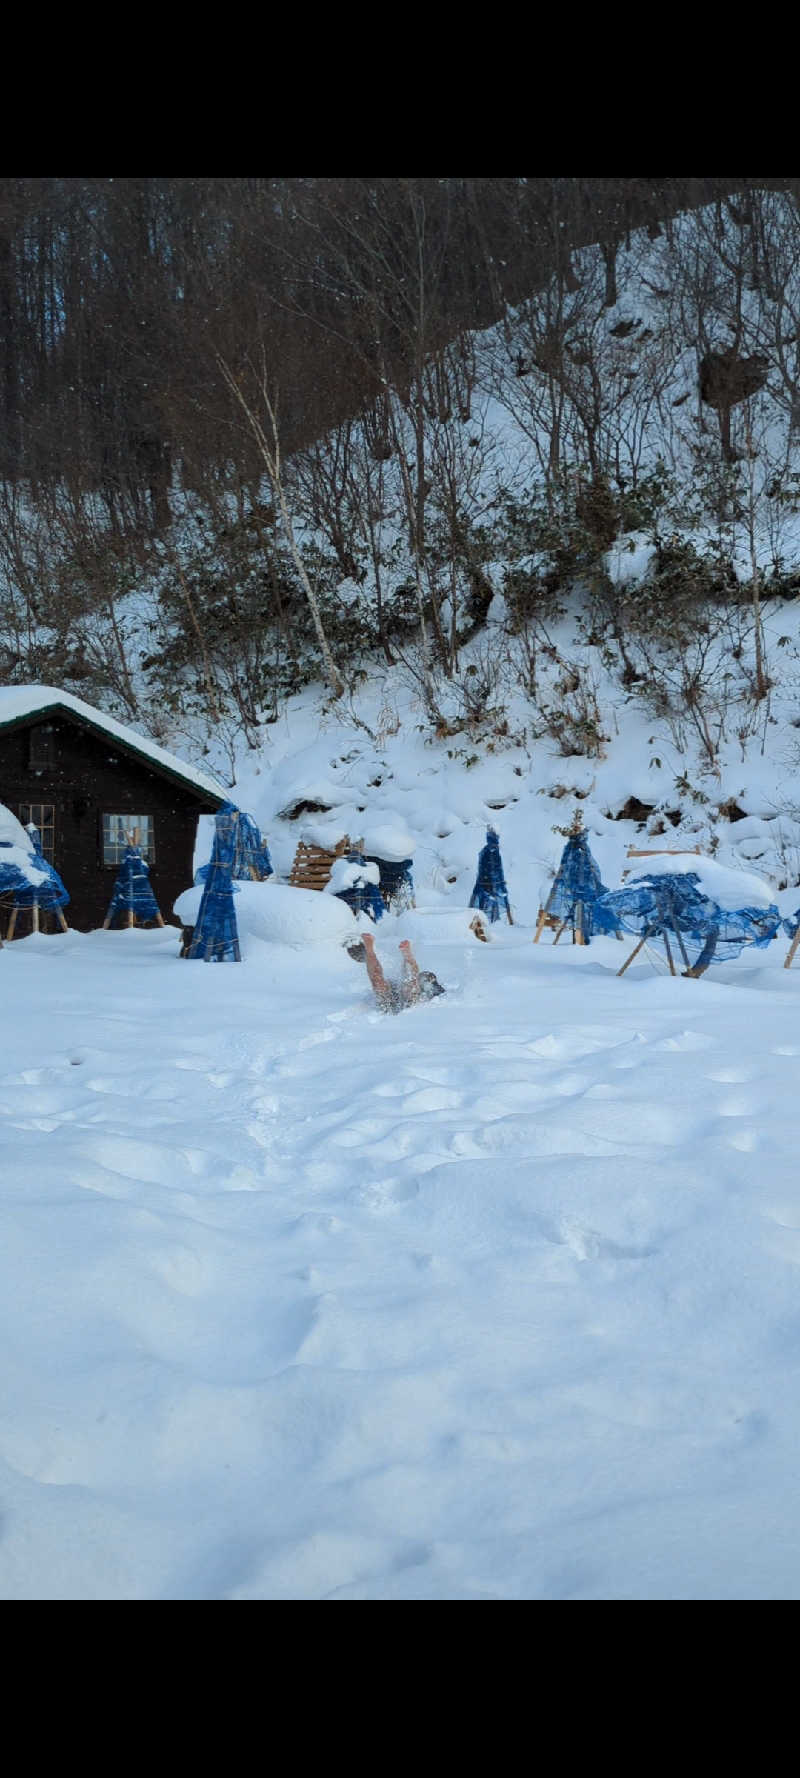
{"type": "Point", "coordinates": [19, 703]}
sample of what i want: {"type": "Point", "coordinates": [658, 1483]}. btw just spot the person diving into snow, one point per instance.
{"type": "Point", "coordinates": [415, 984]}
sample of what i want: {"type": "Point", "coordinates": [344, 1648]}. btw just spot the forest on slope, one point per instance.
{"type": "Point", "coordinates": [257, 432]}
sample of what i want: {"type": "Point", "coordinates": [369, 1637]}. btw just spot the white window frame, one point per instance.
{"type": "Point", "coordinates": [119, 831]}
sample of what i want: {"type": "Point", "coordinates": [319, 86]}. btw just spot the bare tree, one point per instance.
{"type": "Point", "coordinates": [267, 437]}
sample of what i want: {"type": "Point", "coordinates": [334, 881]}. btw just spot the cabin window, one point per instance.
{"type": "Point", "coordinates": [43, 816]}
{"type": "Point", "coordinates": [41, 749]}
{"type": "Point", "coordinates": [120, 831]}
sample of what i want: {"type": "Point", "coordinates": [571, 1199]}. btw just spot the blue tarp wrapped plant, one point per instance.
{"type": "Point", "coordinates": [490, 893]}
{"type": "Point", "coordinates": [251, 859]}
{"type": "Point", "coordinates": [17, 888]}
{"type": "Point", "coordinates": [132, 896]}
{"type": "Point", "coordinates": [359, 891]}
{"type": "Point", "coordinates": [576, 891]}
{"type": "Point", "coordinates": [215, 938]}
{"type": "Point", "coordinates": [669, 904]}
{"type": "Point", "coordinates": [396, 882]}
{"type": "Point", "coordinates": [791, 925]}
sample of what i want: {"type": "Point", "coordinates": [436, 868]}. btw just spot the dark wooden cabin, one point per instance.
{"type": "Point", "coordinates": [86, 780]}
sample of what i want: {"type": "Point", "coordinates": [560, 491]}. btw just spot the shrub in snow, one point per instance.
{"type": "Point", "coordinates": [355, 881]}
{"type": "Point", "coordinates": [710, 910]}
{"type": "Point", "coordinates": [490, 893]}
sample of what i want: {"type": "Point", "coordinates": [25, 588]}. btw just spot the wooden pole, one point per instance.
{"type": "Point", "coordinates": [12, 923]}
{"type": "Point", "coordinates": [62, 922]}
{"type": "Point", "coordinates": [35, 916]}
{"type": "Point", "coordinates": [634, 952]}
{"type": "Point", "coordinates": [678, 934]}
{"type": "Point", "coordinates": [792, 948]}
{"type": "Point", "coordinates": [668, 951]}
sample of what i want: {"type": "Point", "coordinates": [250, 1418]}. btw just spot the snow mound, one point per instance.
{"type": "Point", "coordinates": [329, 832]}
{"type": "Point", "coordinates": [439, 926]}
{"type": "Point", "coordinates": [13, 831]}
{"type": "Point", "coordinates": [22, 861]}
{"type": "Point", "coordinates": [279, 914]}
{"type": "Point", "coordinates": [730, 889]}
{"type": "Point", "coordinates": [389, 840]}
{"type": "Point", "coordinates": [345, 875]}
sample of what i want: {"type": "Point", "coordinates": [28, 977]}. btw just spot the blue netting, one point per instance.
{"type": "Point", "coordinates": [19, 892]}
{"type": "Point", "coordinates": [577, 889]}
{"type": "Point", "coordinates": [251, 857]}
{"type": "Point", "coordinates": [216, 938]}
{"type": "Point", "coordinates": [396, 882]}
{"type": "Point", "coordinates": [791, 923]}
{"type": "Point", "coordinates": [675, 903]}
{"type": "Point", "coordinates": [490, 893]}
{"type": "Point", "coordinates": [132, 893]}
{"type": "Point", "coordinates": [362, 896]}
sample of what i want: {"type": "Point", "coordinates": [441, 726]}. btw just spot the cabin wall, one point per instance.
{"type": "Point", "coordinates": [85, 777]}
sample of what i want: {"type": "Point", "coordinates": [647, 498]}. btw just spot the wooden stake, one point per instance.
{"type": "Point", "coordinates": [662, 852]}
{"type": "Point", "coordinates": [62, 922]}
{"type": "Point", "coordinates": [792, 948]}
{"type": "Point", "coordinates": [12, 923]}
{"type": "Point", "coordinates": [634, 952]}
{"type": "Point", "coordinates": [540, 925]}
{"type": "Point", "coordinates": [35, 916]}
{"type": "Point", "coordinates": [678, 934]}
{"type": "Point", "coordinates": [668, 951]}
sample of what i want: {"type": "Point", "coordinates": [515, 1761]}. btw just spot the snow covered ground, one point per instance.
{"type": "Point", "coordinates": [494, 1299]}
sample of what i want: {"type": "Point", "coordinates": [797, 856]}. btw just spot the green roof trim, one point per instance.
{"type": "Point", "coordinates": [30, 719]}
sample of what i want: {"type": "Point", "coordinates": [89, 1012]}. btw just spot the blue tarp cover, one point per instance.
{"type": "Point", "coordinates": [675, 903]}
{"type": "Point", "coordinates": [216, 938]}
{"type": "Point", "coordinates": [132, 892]}
{"type": "Point", "coordinates": [363, 897]}
{"type": "Point", "coordinates": [251, 859]}
{"type": "Point", "coordinates": [490, 893]}
{"type": "Point", "coordinates": [22, 894]}
{"type": "Point", "coordinates": [578, 881]}
{"type": "Point", "coordinates": [396, 881]}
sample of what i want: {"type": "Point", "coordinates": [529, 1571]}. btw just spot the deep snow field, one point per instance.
{"type": "Point", "coordinates": [496, 1299]}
